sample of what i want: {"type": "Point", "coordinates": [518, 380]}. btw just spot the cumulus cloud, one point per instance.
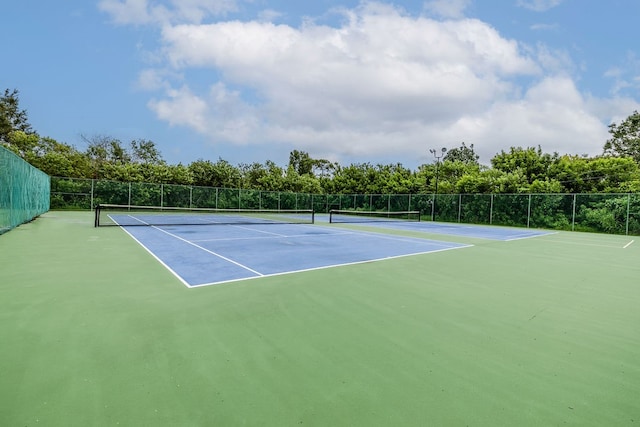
{"type": "Point", "coordinates": [182, 107]}
{"type": "Point", "coordinates": [539, 5]}
{"type": "Point", "coordinates": [172, 11]}
{"type": "Point", "coordinates": [625, 76]}
{"type": "Point", "coordinates": [380, 84]}
{"type": "Point", "coordinates": [552, 114]}
{"type": "Point", "coordinates": [544, 27]}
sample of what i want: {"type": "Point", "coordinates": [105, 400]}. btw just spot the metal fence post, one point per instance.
{"type": "Point", "coordinates": [628, 212]}
{"type": "Point", "coordinates": [491, 211]}
{"type": "Point", "coordinates": [573, 219]}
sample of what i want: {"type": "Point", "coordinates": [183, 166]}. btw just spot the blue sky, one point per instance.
{"type": "Point", "coordinates": [349, 81]}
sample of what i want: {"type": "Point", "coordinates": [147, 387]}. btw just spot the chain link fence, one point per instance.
{"type": "Point", "coordinates": [603, 213]}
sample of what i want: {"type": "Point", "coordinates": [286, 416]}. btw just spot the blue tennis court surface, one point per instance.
{"type": "Point", "coordinates": [212, 254]}
{"type": "Point", "coordinates": [478, 231]}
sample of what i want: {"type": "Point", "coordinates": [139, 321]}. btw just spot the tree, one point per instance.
{"type": "Point", "coordinates": [219, 174]}
{"type": "Point", "coordinates": [301, 162]}
{"type": "Point", "coordinates": [102, 148]}
{"type": "Point", "coordinates": [12, 118]}
{"type": "Point", "coordinates": [273, 179]}
{"type": "Point", "coordinates": [52, 157]}
{"type": "Point", "coordinates": [297, 183]}
{"type": "Point", "coordinates": [253, 175]}
{"type": "Point", "coordinates": [323, 167]}
{"type": "Point", "coordinates": [600, 174]}
{"type": "Point", "coordinates": [21, 143]}
{"type": "Point", "coordinates": [625, 138]}
{"type": "Point", "coordinates": [202, 173]}
{"type": "Point", "coordinates": [530, 162]}
{"type": "Point", "coordinates": [59, 159]}
{"type": "Point", "coordinates": [104, 152]}
{"type": "Point", "coordinates": [463, 154]}
{"type": "Point", "coordinates": [145, 151]}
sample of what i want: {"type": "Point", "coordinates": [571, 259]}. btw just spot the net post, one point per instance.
{"type": "Point", "coordinates": [96, 222]}
{"type": "Point", "coordinates": [313, 216]}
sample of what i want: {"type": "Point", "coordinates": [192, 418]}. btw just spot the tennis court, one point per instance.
{"type": "Point", "coordinates": [201, 256]}
{"type": "Point", "coordinates": [97, 331]}
{"type": "Point", "coordinates": [387, 220]}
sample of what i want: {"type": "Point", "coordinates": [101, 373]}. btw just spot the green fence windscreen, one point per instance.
{"type": "Point", "coordinates": [24, 191]}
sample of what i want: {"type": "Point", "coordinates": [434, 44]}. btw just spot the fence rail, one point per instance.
{"type": "Point", "coordinates": [603, 213]}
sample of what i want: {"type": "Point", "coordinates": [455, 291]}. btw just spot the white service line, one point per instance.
{"type": "Point", "coordinates": [259, 231]}
{"type": "Point", "coordinates": [628, 244]}
{"type": "Point", "coordinates": [211, 252]}
{"type": "Point", "coordinates": [277, 236]}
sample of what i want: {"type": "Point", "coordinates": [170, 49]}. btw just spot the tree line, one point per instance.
{"type": "Point", "coordinates": [517, 170]}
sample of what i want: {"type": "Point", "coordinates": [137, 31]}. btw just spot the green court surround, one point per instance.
{"type": "Point", "coordinates": [536, 332]}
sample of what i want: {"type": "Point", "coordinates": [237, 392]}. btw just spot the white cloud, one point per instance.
{"type": "Point", "coordinates": [181, 107]}
{"type": "Point", "coordinates": [553, 60]}
{"type": "Point", "coordinates": [126, 11]}
{"type": "Point", "coordinates": [552, 114]}
{"type": "Point", "coordinates": [165, 12]}
{"type": "Point", "coordinates": [544, 27]}
{"type": "Point", "coordinates": [382, 84]}
{"type": "Point", "coordinates": [539, 5]}
{"type": "Point", "coordinates": [152, 80]}
{"type": "Point", "coordinates": [625, 77]}
{"type": "Point", "coordinates": [197, 10]}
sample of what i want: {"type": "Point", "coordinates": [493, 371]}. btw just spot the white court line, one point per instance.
{"type": "Point", "coordinates": [211, 252]}
{"type": "Point", "coordinates": [366, 234]}
{"type": "Point", "coordinates": [628, 244]}
{"type": "Point", "coordinates": [259, 231]}
{"type": "Point", "coordinates": [405, 238]}
{"type": "Point", "coordinates": [124, 225]}
{"type": "Point", "coordinates": [184, 282]}
{"type": "Point", "coordinates": [380, 235]}
{"type": "Point", "coordinates": [576, 243]}
{"type": "Point", "coordinates": [227, 239]}
{"type": "Point", "coordinates": [328, 266]}
{"type": "Point", "coordinates": [387, 236]}
{"type": "Point", "coordinates": [260, 275]}
{"type": "Point", "coordinates": [530, 236]}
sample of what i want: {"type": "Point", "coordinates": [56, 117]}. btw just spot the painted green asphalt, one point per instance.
{"type": "Point", "coordinates": [94, 331]}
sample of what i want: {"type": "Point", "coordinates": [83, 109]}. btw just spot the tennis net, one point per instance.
{"type": "Point", "coordinates": [344, 216]}
{"type": "Point", "coordinates": [126, 215]}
